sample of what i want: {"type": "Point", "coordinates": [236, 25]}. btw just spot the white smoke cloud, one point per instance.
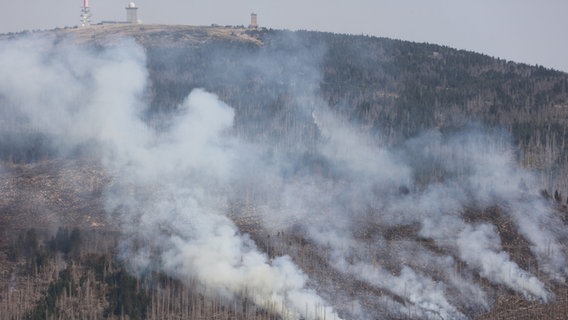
{"type": "Point", "coordinates": [173, 185]}
{"type": "Point", "coordinates": [475, 171]}
{"type": "Point", "coordinates": [168, 185]}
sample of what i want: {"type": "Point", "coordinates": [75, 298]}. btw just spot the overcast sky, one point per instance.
{"type": "Point", "coordinates": [529, 31]}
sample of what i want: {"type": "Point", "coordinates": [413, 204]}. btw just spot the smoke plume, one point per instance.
{"type": "Point", "coordinates": [169, 186]}
{"type": "Point", "coordinates": [326, 180]}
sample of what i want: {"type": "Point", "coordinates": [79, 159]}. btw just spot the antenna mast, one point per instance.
{"type": "Point", "coordinates": [85, 14]}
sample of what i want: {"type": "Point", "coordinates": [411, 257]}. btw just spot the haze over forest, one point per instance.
{"type": "Point", "coordinates": [173, 171]}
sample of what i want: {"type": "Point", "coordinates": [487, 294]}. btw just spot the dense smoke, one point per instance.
{"type": "Point", "coordinates": [169, 187]}
{"type": "Point", "coordinates": [175, 186]}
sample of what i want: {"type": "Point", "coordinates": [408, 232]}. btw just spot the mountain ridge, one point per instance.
{"type": "Point", "coordinates": [144, 32]}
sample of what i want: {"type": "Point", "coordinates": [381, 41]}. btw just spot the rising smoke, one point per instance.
{"type": "Point", "coordinates": [174, 186]}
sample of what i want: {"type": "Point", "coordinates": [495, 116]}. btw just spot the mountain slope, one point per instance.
{"type": "Point", "coordinates": [276, 173]}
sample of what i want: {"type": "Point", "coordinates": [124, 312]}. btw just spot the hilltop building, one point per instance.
{"type": "Point", "coordinates": [132, 13]}
{"type": "Point", "coordinates": [253, 22]}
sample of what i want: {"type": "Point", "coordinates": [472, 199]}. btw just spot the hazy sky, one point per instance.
{"type": "Point", "coordinates": [530, 31]}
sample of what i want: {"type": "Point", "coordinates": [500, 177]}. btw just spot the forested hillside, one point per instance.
{"type": "Point", "coordinates": [179, 172]}
{"type": "Point", "coordinates": [397, 88]}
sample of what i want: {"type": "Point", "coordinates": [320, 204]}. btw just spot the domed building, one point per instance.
{"type": "Point", "coordinates": [132, 13]}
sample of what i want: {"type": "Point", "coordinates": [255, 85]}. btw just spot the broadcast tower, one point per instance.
{"type": "Point", "coordinates": [85, 14]}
